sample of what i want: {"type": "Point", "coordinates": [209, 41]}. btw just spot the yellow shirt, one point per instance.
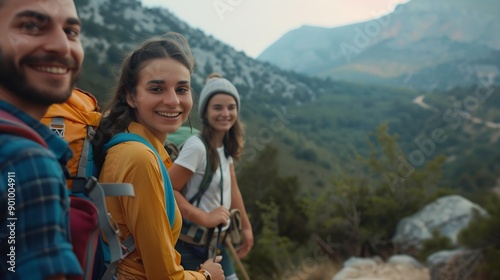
{"type": "Point", "coordinates": [144, 216]}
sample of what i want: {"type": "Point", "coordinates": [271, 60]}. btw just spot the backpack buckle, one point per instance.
{"type": "Point", "coordinates": [125, 251]}
{"type": "Point", "coordinates": [90, 185]}
{"type": "Point", "coordinates": [57, 126]}
{"type": "Point", "coordinates": [128, 246]}
{"type": "Point", "coordinates": [114, 225]}
{"type": "Point", "coordinates": [82, 184]}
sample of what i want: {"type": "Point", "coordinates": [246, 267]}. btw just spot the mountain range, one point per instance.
{"type": "Point", "coordinates": [423, 43]}
{"type": "Point", "coordinates": [317, 123]}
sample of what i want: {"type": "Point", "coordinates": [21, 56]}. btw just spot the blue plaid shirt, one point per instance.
{"type": "Point", "coordinates": [34, 228]}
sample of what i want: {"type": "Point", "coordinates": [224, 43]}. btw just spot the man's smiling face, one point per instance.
{"type": "Point", "coordinates": [40, 51]}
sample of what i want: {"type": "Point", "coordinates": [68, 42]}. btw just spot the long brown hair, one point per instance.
{"type": "Point", "coordinates": [118, 114]}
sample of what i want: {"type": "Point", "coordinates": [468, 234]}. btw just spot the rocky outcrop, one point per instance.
{"type": "Point", "coordinates": [396, 268]}
{"type": "Point", "coordinates": [453, 264]}
{"type": "Point", "coordinates": [447, 215]}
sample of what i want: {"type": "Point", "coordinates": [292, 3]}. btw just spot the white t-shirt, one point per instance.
{"type": "Point", "coordinates": [193, 157]}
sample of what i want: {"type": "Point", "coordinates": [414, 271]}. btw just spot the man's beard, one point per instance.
{"type": "Point", "coordinates": [15, 81]}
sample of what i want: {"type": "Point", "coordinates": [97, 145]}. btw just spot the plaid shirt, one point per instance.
{"type": "Point", "coordinates": [36, 227]}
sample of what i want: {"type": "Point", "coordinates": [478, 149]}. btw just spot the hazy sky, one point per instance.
{"type": "Point", "coordinates": [253, 25]}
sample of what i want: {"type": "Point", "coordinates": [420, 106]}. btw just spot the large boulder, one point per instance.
{"type": "Point", "coordinates": [447, 215]}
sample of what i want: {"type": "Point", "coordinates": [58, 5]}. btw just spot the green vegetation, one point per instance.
{"type": "Point", "coordinates": [356, 214]}
{"type": "Point", "coordinates": [435, 244]}
{"type": "Point", "coordinates": [362, 209]}
{"type": "Point", "coordinates": [482, 234]}
{"type": "Point", "coordinates": [277, 214]}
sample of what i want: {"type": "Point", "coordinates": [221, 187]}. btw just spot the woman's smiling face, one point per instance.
{"type": "Point", "coordinates": [222, 112]}
{"type": "Point", "coordinates": [163, 97]}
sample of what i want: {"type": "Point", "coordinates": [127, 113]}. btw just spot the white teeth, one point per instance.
{"type": "Point", "coordinates": [168, 115]}
{"type": "Point", "coordinates": [52, 70]}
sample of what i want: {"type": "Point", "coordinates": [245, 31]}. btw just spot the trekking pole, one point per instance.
{"type": "Point", "coordinates": [216, 249]}
{"type": "Point", "coordinates": [230, 246]}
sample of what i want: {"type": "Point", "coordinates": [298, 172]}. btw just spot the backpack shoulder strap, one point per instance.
{"type": "Point", "coordinates": [169, 193]}
{"type": "Point", "coordinates": [12, 125]}
{"type": "Point", "coordinates": [207, 177]}
{"type": "Point", "coordinates": [85, 164]}
{"type": "Point", "coordinates": [97, 192]}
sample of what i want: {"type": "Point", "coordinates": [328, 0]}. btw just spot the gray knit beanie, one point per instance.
{"type": "Point", "coordinates": [216, 84]}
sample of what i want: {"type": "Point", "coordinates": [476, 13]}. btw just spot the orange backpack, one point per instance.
{"type": "Point", "coordinates": [76, 121]}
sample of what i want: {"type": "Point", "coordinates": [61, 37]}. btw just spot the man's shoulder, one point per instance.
{"type": "Point", "coordinates": [56, 144]}
{"type": "Point", "coordinates": [11, 143]}
{"type": "Point", "coordinates": [15, 148]}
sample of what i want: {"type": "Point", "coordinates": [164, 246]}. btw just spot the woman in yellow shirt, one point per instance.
{"type": "Point", "coordinates": [152, 98]}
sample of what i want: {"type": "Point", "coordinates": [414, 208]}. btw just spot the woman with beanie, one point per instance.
{"type": "Point", "coordinates": [152, 99]}
{"type": "Point", "coordinates": [222, 138]}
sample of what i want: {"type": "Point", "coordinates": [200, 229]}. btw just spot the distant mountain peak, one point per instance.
{"type": "Point", "coordinates": [418, 36]}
